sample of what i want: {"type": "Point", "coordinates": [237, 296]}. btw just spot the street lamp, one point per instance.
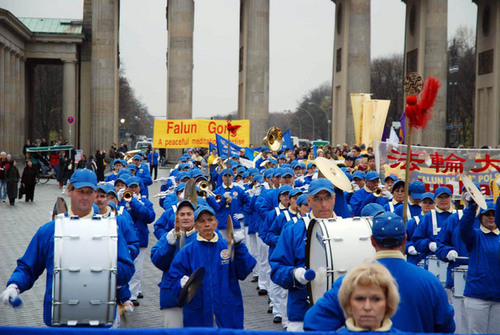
{"type": "Point", "coordinates": [300, 123]}
{"type": "Point", "coordinates": [305, 110]}
{"type": "Point", "coordinates": [310, 103]}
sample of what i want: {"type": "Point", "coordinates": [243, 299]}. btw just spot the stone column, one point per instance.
{"type": "Point", "coordinates": [426, 53]}
{"type": "Point", "coordinates": [351, 64]}
{"type": "Point", "coordinates": [3, 124]}
{"type": "Point", "coordinates": [22, 97]}
{"type": "Point", "coordinates": [9, 93]}
{"type": "Point", "coordinates": [104, 81]}
{"type": "Point", "coordinates": [69, 98]}
{"type": "Point", "coordinates": [487, 102]}
{"type": "Point", "coordinates": [180, 26]}
{"type": "Point", "coordinates": [253, 82]}
{"type": "Point", "coordinates": [19, 136]}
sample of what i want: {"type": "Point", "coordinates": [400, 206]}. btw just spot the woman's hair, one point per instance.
{"type": "Point", "coordinates": [368, 273]}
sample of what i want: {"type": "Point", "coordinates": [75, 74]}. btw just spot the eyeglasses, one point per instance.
{"type": "Point", "coordinates": [490, 214]}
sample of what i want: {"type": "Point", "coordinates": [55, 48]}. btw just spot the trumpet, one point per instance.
{"type": "Point", "coordinates": [377, 192]}
{"type": "Point", "coordinates": [127, 196]}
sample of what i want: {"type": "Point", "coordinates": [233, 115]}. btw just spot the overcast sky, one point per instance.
{"type": "Point", "coordinates": [301, 45]}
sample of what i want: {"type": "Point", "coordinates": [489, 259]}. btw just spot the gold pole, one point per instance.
{"type": "Point", "coordinates": [407, 174]}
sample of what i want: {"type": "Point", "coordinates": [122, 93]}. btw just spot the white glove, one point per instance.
{"type": "Point", "coordinates": [227, 194]}
{"type": "Point", "coordinates": [238, 216]}
{"type": "Point", "coordinates": [239, 236]}
{"type": "Point", "coordinates": [120, 194]}
{"type": "Point", "coordinates": [467, 197]}
{"type": "Point", "coordinates": [412, 251]}
{"type": "Point", "coordinates": [432, 246]}
{"type": "Point", "coordinates": [184, 280]}
{"type": "Point", "coordinates": [298, 273]}
{"type": "Point", "coordinates": [10, 293]}
{"type": "Point", "coordinates": [257, 190]}
{"type": "Point", "coordinates": [452, 255]}
{"type": "Point", "coordinates": [386, 194]}
{"type": "Point", "coordinates": [171, 237]}
{"type": "Point", "coordinates": [128, 306]}
{"type": "Point", "coordinates": [137, 196]}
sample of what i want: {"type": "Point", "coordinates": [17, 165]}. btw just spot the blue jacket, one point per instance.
{"type": "Point", "coordinates": [126, 225]}
{"type": "Point", "coordinates": [266, 225]}
{"type": "Point", "coordinates": [449, 238]}
{"type": "Point", "coordinates": [289, 255]}
{"type": "Point", "coordinates": [253, 217]}
{"type": "Point", "coordinates": [143, 173]}
{"type": "Point", "coordinates": [267, 201]}
{"type": "Point", "coordinates": [423, 308]}
{"type": "Point", "coordinates": [414, 210]}
{"type": "Point", "coordinates": [424, 235]}
{"type": "Point", "coordinates": [359, 200]}
{"type": "Point", "coordinates": [399, 205]}
{"type": "Point", "coordinates": [277, 226]}
{"type": "Point", "coordinates": [153, 158]}
{"type": "Point", "coordinates": [142, 214]}
{"type": "Point", "coordinates": [411, 225]}
{"type": "Point", "coordinates": [220, 293]}
{"type": "Point", "coordinates": [239, 204]}
{"type": "Point", "coordinates": [40, 256]}
{"type": "Point", "coordinates": [484, 267]}
{"type": "Point", "coordinates": [162, 255]}
{"type": "Point", "coordinates": [164, 222]}
{"type": "Point", "coordinates": [169, 200]}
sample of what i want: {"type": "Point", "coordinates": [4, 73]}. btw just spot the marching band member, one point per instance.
{"type": "Point", "coordinates": [302, 206]}
{"type": "Point", "coordinates": [424, 306]}
{"type": "Point", "coordinates": [287, 261]}
{"type": "Point", "coordinates": [173, 198]}
{"type": "Point", "coordinates": [398, 197]}
{"type": "Point", "coordinates": [118, 164]}
{"type": "Point", "coordinates": [482, 290]}
{"type": "Point", "coordinates": [427, 204]}
{"type": "Point", "coordinates": [290, 214]}
{"type": "Point", "coordinates": [389, 181]}
{"type": "Point", "coordinates": [219, 297]}
{"type": "Point", "coordinates": [425, 236]}
{"type": "Point", "coordinates": [143, 173]}
{"type": "Point", "coordinates": [162, 255]}
{"type": "Point", "coordinates": [365, 195]}
{"type": "Point", "coordinates": [358, 180]}
{"type": "Point", "coordinates": [39, 254]}
{"type": "Point", "coordinates": [142, 213]}
{"type": "Point", "coordinates": [415, 189]}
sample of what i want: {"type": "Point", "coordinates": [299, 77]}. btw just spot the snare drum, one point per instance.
{"type": "Point", "coordinates": [437, 267]}
{"type": "Point", "coordinates": [459, 277]}
{"type": "Point", "coordinates": [334, 246]}
{"type": "Point", "coordinates": [85, 265]}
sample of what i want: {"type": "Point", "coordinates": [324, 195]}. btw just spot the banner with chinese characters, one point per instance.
{"type": "Point", "coordinates": [441, 166]}
{"type": "Point", "coordinates": [197, 133]}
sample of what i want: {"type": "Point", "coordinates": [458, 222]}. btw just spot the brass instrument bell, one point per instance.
{"type": "Point", "coordinates": [273, 139]}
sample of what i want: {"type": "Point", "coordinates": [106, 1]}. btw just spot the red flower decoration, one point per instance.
{"type": "Point", "coordinates": [232, 129]}
{"type": "Point", "coordinates": [418, 112]}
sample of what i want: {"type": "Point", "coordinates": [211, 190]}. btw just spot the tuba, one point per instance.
{"type": "Point", "coordinates": [273, 139]}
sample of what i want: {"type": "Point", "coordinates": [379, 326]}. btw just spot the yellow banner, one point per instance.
{"type": "Point", "coordinates": [197, 133]}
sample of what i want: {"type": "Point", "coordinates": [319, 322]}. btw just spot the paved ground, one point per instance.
{"type": "Point", "coordinates": [19, 223]}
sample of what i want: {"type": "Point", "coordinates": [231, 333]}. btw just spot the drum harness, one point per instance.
{"type": "Point", "coordinates": [435, 229]}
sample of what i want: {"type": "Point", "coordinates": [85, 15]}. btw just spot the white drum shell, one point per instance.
{"type": "Point", "coordinates": [336, 246]}
{"type": "Point", "coordinates": [459, 278]}
{"type": "Point", "coordinates": [437, 267]}
{"type": "Point", "coordinates": [85, 263]}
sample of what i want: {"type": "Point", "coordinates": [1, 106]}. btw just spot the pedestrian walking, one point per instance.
{"type": "Point", "coordinates": [12, 178]}
{"type": "Point", "coordinates": [28, 179]}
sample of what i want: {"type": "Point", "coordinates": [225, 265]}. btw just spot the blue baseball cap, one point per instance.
{"type": "Point", "coordinates": [84, 178]}
{"type": "Point", "coordinates": [294, 192]}
{"type": "Point", "coordinates": [388, 230]}
{"type": "Point", "coordinates": [101, 187]}
{"type": "Point", "coordinates": [253, 171]}
{"type": "Point", "coordinates": [277, 172]}
{"type": "Point", "coordinates": [358, 174]}
{"type": "Point", "coordinates": [442, 190]}
{"type": "Point", "coordinates": [265, 149]}
{"type": "Point", "coordinates": [227, 171]}
{"type": "Point", "coordinates": [123, 178]}
{"type": "Point", "coordinates": [137, 157]}
{"type": "Point", "coordinates": [180, 187]}
{"type": "Point", "coordinates": [397, 184]}
{"type": "Point", "coordinates": [119, 161]}
{"type": "Point", "coordinates": [203, 209]}
{"type": "Point", "coordinates": [112, 205]}
{"type": "Point", "coordinates": [311, 165]}
{"type": "Point", "coordinates": [245, 174]}
{"type": "Point", "coordinates": [134, 181]}
{"type": "Point", "coordinates": [428, 195]}
{"type": "Point", "coordinates": [111, 189]}
{"type": "Point", "coordinates": [258, 178]}
{"type": "Point", "coordinates": [182, 175]}
{"type": "Point", "coordinates": [391, 176]}
{"type": "Point", "coordinates": [281, 156]}
{"type": "Point", "coordinates": [195, 173]}
{"type": "Point", "coordinates": [416, 188]}
{"type": "Point", "coordinates": [235, 156]}
{"type": "Point", "coordinates": [186, 203]}
{"type": "Point", "coordinates": [372, 209]}
{"type": "Point", "coordinates": [133, 167]}
{"type": "Point", "coordinates": [284, 189]}
{"type": "Point", "coordinates": [321, 184]}
{"type": "Point", "coordinates": [242, 169]}
{"type": "Point", "coordinates": [349, 175]}
{"type": "Point", "coordinates": [302, 199]}
{"type": "Point", "coordinates": [371, 175]}
{"type": "Point", "coordinates": [286, 165]}
{"type": "Point", "coordinates": [268, 173]}
{"type": "Point", "coordinates": [287, 172]}
{"type": "Point", "coordinates": [490, 207]}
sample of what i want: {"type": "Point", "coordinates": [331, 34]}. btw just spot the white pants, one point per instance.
{"type": "Point", "coordinates": [254, 251]}
{"type": "Point", "coordinates": [135, 282]}
{"type": "Point", "coordinates": [461, 324]}
{"type": "Point", "coordinates": [173, 318]}
{"type": "Point", "coordinates": [295, 326]}
{"type": "Point", "coordinates": [482, 316]}
{"type": "Point", "coordinates": [263, 265]}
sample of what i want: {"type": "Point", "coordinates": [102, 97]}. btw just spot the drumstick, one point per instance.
{"type": "Point", "coordinates": [461, 257]}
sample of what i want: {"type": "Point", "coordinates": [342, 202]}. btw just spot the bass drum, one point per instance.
{"type": "Point", "coordinates": [85, 265]}
{"type": "Point", "coordinates": [333, 247]}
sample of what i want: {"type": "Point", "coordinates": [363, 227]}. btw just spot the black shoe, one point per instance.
{"type": "Point", "coordinates": [277, 319]}
{"type": "Point", "coordinates": [262, 292]}
{"type": "Point", "coordinates": [140, 296]}
{"type": "Point", "coordinates": [270, 309]}
{"type": "Point", "coordinates": [135, 302]}
{"type": "Point", "coordinates": [257, 288]}
{"type": "Point", "coordinates": [255, 279]}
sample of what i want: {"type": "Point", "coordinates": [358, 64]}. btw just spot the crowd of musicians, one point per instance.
{"type": "Point", "coordinates": [245, 220]}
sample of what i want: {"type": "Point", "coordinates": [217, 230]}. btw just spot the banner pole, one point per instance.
{"type": "Point", "coordinates": [407, 175]}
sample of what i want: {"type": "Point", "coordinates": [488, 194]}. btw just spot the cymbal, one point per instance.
{"type": "Point", "coordinates": [192, 285]}
{"type": "Point", "coordinates": [60, 207]}
{"type": "Point", "coordinates": [476, 194]}
{"type": "Point", "coordinates": [333, 173]}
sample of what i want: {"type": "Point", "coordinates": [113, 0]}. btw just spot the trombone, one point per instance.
{"type": "Point", "coordinates": [205, 191]}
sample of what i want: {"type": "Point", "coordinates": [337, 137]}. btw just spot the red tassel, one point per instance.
{"type": "Point", "coordinates": [419, 114]}
{"type": "Point", "coordinates": [232, 129]}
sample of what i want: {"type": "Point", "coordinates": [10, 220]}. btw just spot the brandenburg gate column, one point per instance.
{"type": "Point", "coordinates": [351, 64]}
{"type": "Point", "coordinates": [180, 26]}
{"type": "Point", "coordinates": [3, 124]}
{"type": "Point", "coordinates": [69, 98]}
{"type": "Point", "coordinates": [487, 102]}
{"type": "Point", "coordinates": [426, 53]}
{"type": "Point", "coordinates": [104, 81]}
{"type": "Point", "coordinates": [253, 82]}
